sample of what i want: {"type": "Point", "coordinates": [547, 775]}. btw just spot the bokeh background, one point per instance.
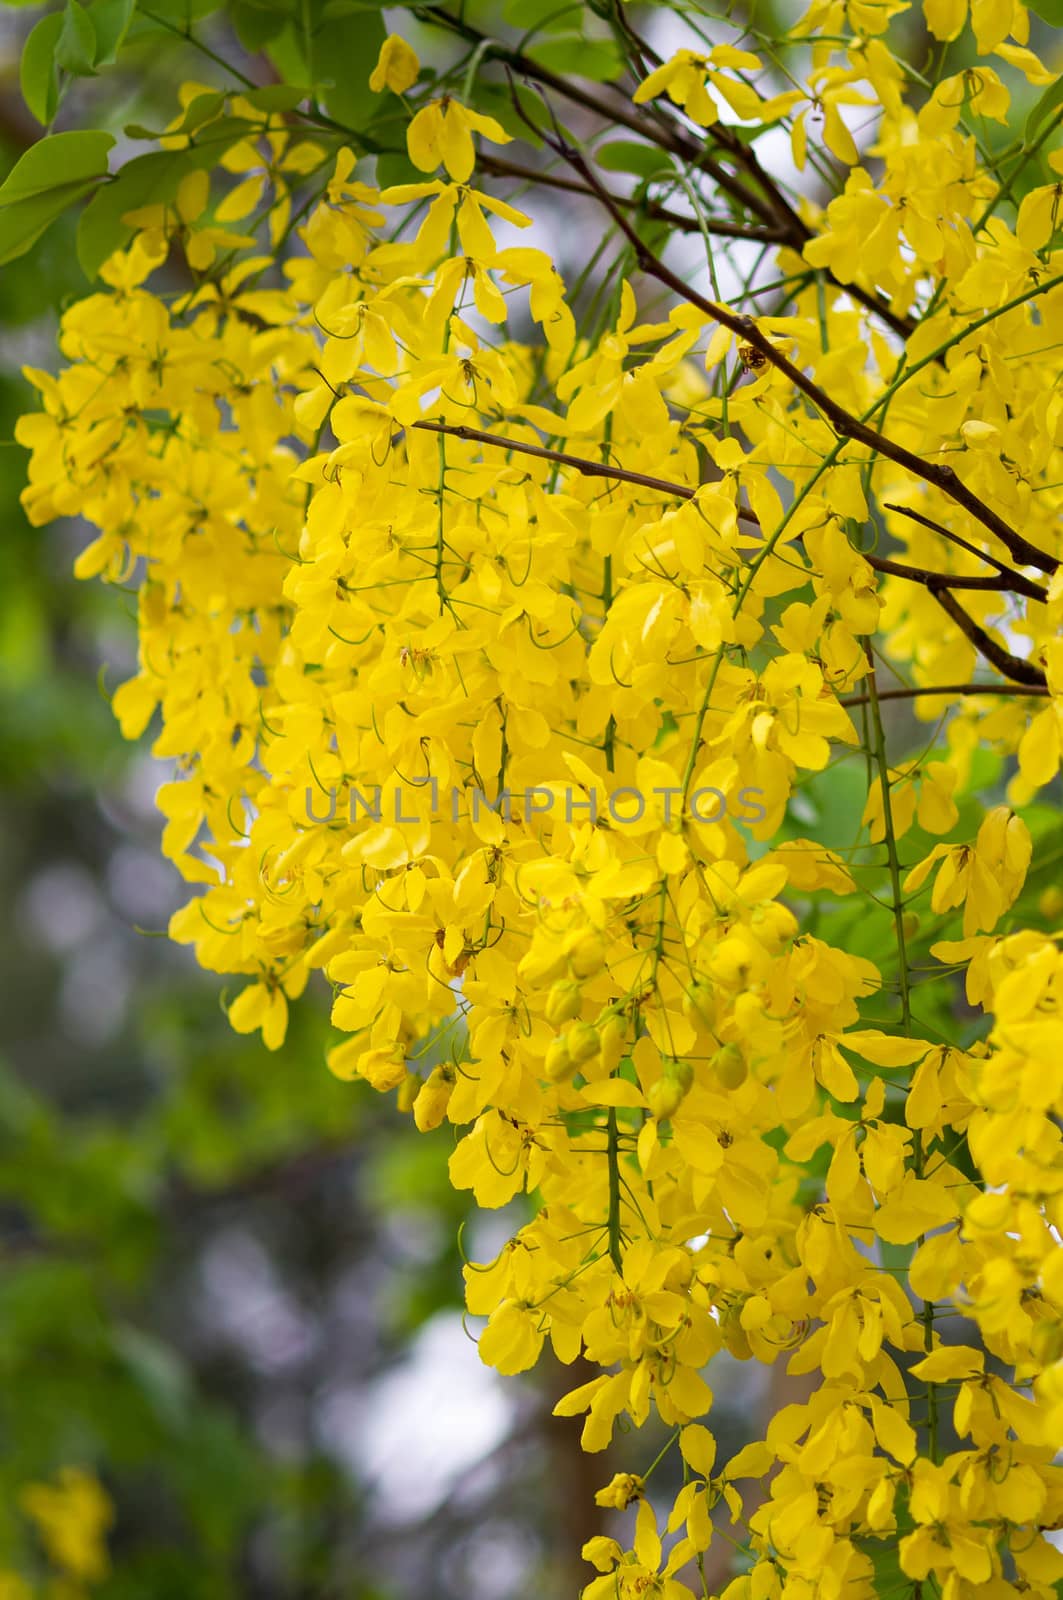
{"type": "Point", "coordinates": [230, 1286]}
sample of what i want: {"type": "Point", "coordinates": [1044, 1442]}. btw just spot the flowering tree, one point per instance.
{"type": "Point", "coordinates": [632, 693]}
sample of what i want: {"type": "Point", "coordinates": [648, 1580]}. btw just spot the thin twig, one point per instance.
{"type": "Point", "coordinates": [1020, 583]}
{"type": "Point", "coordinates": [724, 227]}
{"type": "Point", "coordinates": [949, 689]}
{"type": "Point", "coordinates": [1007, 582]}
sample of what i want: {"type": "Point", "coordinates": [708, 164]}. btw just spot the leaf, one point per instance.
{"type": "Point", "coordinates": [1051, 11]}
{"type": "Point", "coordinates": [255, 25]}
{"type": "Point", "coordinates": [498, 103]}
{"type": "Point", "coordinates": [627, 155]}
{"type": "Point", "coordinates": [1043, 109]}
{"type": "Point", "coordinates": [276, 96]}
{"type": "Point", "coordinates": [38, 74]}
{"type": "Point", "coordinates": [342, 51]}
{"type": "Point", "coordinates": [52, 174]}
{"type": "Point", "coordinates": [156, 1370]}
{"type": "Point", "coordinates": [22, 223]}
{"type": "Point", "coordinates": [75, 50]}
{"type": "Point", "coordinates": [56, 160]}
{"type": "Point", "coordinates": [110, 19]}
{"type": "Point", "coordinates": [287, 55]}
{"type": "Point", "coordinates": [145, 179]}
{"type": "Point", "coordinates": [597, 59]}
{"type": "Point", "coordinates": [200, 110]}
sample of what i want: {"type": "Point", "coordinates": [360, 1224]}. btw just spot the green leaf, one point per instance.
{"type": "Point", "coordinates": [200, 110]}
{"type": "Point", "coordinates": [57, 160]}
{"type": "Point", "coordinates": [597, 59]}
{"type": "Point", "coordinates": [23, 222]}
{"type": "Point", "coordinates": [101, 230]}
{"type": "Point", "coordinates": [1049, 102]}
{"type": "Point", "coordinates": [141, 182]}
{"type": "Point", "coordinates": [1050, 11]}
{"type": "Point", "coordinates": [626, 155]}
{"type": "Point", "coordinates": [110, 19]}
{"type": "Point", "coordinates": [38, 74]}
{"type": "Point", "coordinates": [276, 97]}
{"type": "Point", "coordinates": [255, 25]}
{"type": "Point", "coordinates": [343, 50]}
{"type": "Point", "coordinates": [498, 103]}
{"type": "Point", "coordinates": [75, 49]}
{"type": "Point", "coordinates": [288, 56]}
{"type": "Point", "coordinates": [156, 1370]}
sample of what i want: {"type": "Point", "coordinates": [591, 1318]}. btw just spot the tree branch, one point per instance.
{"type": "Point", "coordinates": [589, 469]}
{"type": "Point", "coordinates": [1021, 585]}
{"type": "Point", "coordinates": [1013, 667]}
{"type": "Point", "coordinates": [723, 227]}
{"type": "Point", "coordinates": [845, 425]}
{"type": "Point", "coordinates": [948, 688]}
{"type": "Point", "coordinates": [1007, 583]}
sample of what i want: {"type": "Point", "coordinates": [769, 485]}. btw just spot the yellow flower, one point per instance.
{"type": "Point", "coordinates": [396, 68]}
{"type": "Point", "coordinates": [441, 134]}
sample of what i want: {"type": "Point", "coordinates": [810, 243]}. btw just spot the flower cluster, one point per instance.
{"type": "Point", "coordinates": [398, 520]}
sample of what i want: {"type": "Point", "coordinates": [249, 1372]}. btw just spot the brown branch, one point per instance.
{"type": "Point", "coordinates": [1008, 582]}
{"type": "Point", "coordinates": [589, 469]}
{"type": "Point", "coordinates": [947, 688]}
{"type": "Point", "coordinates": [1013, 667]}
{"type": "Point", "coordinates": [1021, 585]}
{"type": "Point", "coordinates": [845, 425]}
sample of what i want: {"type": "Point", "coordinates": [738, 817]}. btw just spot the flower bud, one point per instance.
{"type": "Point", "coordinates": [665, 1097]}
{"type": "Point", "coordinates": [730, 1067]}
{"type": "Point", "coordinates": [613, 1034]}
{"type": "Point", "coordinates": [559, 1064]}
{"type": "Point", "coordinates": [698, 1004]}
{"type": "Point", "coordinates": [1050, 903]}
{"type": "Point", "coordinates": [563, 1001]}
{"type": "Point", "coordinates": [583, 1041]}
